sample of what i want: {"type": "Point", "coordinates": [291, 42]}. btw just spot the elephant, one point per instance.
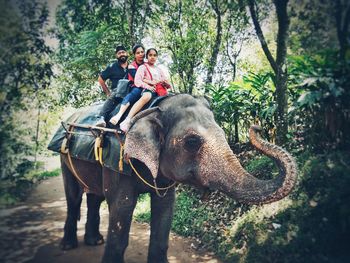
{"type": "Point", "coordinates": [177, 141]}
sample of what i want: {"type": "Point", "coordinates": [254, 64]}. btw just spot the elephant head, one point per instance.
{"type": "Point", "coordinates": [181, 141]}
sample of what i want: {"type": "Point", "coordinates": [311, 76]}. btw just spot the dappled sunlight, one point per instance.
{"type": "Point", "coordinates": [57, 204]}
{"type": "Point", "coordinates": [31, 233]}
{"type": "Point", "coordinates": [258, 214]}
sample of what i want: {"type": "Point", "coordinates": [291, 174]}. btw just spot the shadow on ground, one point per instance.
{"type": "Point", "coordinates": [31, 232]}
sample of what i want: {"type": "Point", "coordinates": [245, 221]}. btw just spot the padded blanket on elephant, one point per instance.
{"type": "Point", "coordinates": [81, 143]}
{"type": "Point", "coordinates": [82, 140]}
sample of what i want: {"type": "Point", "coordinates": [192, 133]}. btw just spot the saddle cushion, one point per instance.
{"type": "Point", "coordinates": [82, 141]}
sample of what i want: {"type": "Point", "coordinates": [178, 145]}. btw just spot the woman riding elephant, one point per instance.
{"type": "Point", "coordinates": [139, 53]}
{"type": "Point", "coordinates": [149, 76]}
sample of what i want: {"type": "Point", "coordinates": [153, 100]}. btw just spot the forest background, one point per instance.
{"type": "Point", "coordinates": [281, 64]}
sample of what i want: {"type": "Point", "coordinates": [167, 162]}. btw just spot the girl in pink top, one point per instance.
{"type": "Point", "coordinates": [147, 76]}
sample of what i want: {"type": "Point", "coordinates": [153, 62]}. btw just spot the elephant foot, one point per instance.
{"type": "Point", "coordinates": [67, 244]}
{"type": "Point", "coordinates": [93, 240]}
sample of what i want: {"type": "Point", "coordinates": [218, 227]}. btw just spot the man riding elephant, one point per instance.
{"type": "Point", "coordinates": [114, 72]}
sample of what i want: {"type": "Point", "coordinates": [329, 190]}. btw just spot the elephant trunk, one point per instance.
{"type": "Point", "coordinates": [235, 181]}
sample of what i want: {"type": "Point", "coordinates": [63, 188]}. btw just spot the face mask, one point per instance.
{"type": "Point", "coordinates": [123, 59]}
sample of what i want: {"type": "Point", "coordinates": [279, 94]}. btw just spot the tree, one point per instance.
{"type": "Point", "coordinates": [88, 32]}
{"type": "Point", "coordinates": [342, 16]}
{"type": "Point", "coordinates": [219, 9]}
{"type": "Point", "coordinates": [25, 70]}
{"type": "Point", "coordinates": [185, 34]}
{"type": "Point", "coordinates": [278, 64]}
{"type": "Point", "coordinates": [237, 32]}
{"type": "Point", "coordinates": [137, 13]}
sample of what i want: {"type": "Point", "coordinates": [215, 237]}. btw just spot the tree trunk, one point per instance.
{"type": "Point", "coordinates": [236, 131]}
{"type": "Point", "coordinates": [279, 65]}
{"type": "Point", "coordinates": [131, 21]}
{"type": "Point", "coordinates": [261, 37]}
{"type": "Point", "coordinates": [282, 106]}
{"type": "Point", "coordinates": [238, 41]}
{"type": "Point", "coordinates": [190, 80]}
{"type": "Point", "coordinates": [342, 16]}
{"type": "Point", "coordinates": [282, 76]}
{"type": "Point", "coordinates": [37, 136]}
{"type": "Point", "coordinates": [214, 55]}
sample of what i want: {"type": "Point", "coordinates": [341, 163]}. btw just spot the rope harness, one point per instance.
{"type": "Point", "coordinates": [155, 187]}
{"type": "Point", "coordinates": [98, 133]}
{"type": "Point", "coordinates": [65, 150]}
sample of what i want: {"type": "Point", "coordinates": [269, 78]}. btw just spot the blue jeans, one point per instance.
{"type": "Point", "coordinates": [132, 96]}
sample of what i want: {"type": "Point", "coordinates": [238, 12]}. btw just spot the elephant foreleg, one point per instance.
{"type": "Point", "coordinates": [161, 214]}
{"type": "Point", "coordinates": [74, 194]}
{"type": "Point", "coordinates": [121, 203]}
{"type": "Point", "coordinates": [93, 236]}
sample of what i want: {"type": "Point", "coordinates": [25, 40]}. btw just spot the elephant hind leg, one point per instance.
{"type": "Point", "coordinates": [93, 236]}
{"type": "Point", "coordinates": [74, 194]}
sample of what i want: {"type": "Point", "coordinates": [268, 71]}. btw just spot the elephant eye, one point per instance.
{"type": "Point", "coordinates": [193, 143]}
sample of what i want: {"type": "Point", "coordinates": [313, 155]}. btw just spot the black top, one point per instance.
{"type": "Point", "coordinates": [114, 72]}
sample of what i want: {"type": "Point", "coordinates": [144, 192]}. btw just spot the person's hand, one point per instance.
{"type": "Point", "coordinates": [152, 88]}
{"type": "Point", "coordinates": [149, 82]}
{"type": "Point", "coordinates": [153, 82]}
{"type": "Point", "coordinates": [107, 91]}
{"type": "Point", "coordinates": [166, 84]}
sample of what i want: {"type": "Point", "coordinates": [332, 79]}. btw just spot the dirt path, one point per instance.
{"type": "Point", "coordinates": [31, 231]}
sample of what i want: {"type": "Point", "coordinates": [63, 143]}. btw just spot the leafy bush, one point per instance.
{"type": "Point", "coordinates": [320, 112]}
{"type": "Point", "coordinates": [242, 104]}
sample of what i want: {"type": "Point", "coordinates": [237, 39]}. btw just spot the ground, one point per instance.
{"type": "Point", "coordinates": [30, 232]}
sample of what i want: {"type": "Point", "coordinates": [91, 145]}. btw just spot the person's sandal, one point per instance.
{"type": "Point", "coordinates": [101, 122]}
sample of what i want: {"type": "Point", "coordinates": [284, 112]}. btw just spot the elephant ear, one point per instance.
{"type": "Point", "coordinates": [144, 139]}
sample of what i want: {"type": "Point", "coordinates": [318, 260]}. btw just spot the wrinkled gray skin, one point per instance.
{"type": "Point", "coordinates": [180, 141]}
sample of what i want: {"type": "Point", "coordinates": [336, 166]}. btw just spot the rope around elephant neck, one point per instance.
{"type": "Point", "coordinates": [154, 181]}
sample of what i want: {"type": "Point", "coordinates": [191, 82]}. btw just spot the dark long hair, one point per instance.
{"type": "Point", "coordinates": [134, 48]}
{"type": "Point", "coordinates": [150, 49]}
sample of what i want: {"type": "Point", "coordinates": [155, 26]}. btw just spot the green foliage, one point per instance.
{"type": "Point", "coordinates": [25, 73]}
{"type": "Point", "coordinates": [186, 219]}
{"type": "Point", "coordinates": [262, 167]}
{"type": "Point", "coordinates": [74, 17]}
{"type": "Point", "coordinates": [142, 212]}
{"type": "Point", "coordinates": [81, 62]}
{"type": "Point", "coordinates": [244, 103]}
{"type": "Point", "coordinates": [312, 26]}
{"type": "Point", "coordinates": [24, 67]}
{"type": "Point", "coordinates": [185, 34]}
{"type": "Point", "coordinates": [88, 32]}
{"type": "Point", "coordinates": [321, 100]}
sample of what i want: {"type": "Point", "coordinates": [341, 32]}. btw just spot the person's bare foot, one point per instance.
{"type": "Point", "coordinates": [114, 120]}
{"type": "Point", "coordinates": [125, 125]}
